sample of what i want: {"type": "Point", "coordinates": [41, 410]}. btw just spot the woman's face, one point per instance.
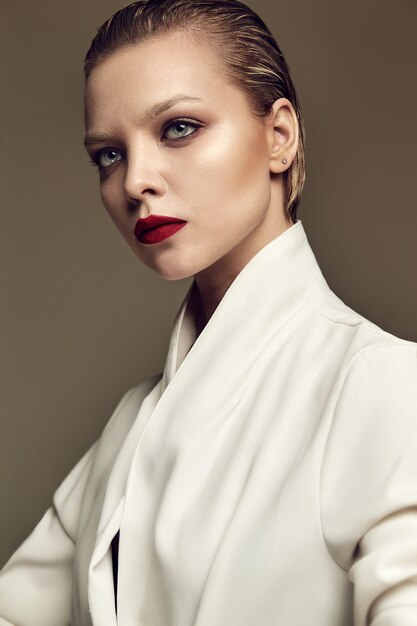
{"type": "Point", "coordinates": [205, 159]}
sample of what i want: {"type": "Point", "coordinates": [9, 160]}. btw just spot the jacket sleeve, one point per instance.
{"type": "Point", "coordinates": [36, 582]}
{"type": "Point", "coordinates": [369, 485]}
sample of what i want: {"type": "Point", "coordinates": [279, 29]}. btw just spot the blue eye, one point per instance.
{"type": "Point", "coordinates": [179, 126]}
{"type": "Point", "coordinates": [105, 158]}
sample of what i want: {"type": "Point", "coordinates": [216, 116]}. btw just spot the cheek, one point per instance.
{"type": "Point", "coordinates": [232, 159]}
{"type": "Point", "coordinates": [114, 207]}
{"type": "Point", "coordinates": [110, 197]}
{"type": "Point", "coordinates": [231, 171]}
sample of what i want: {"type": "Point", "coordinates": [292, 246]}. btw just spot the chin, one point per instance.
{"type": "Point", "coordinates": [169, 271]}
{"type": "Point", "coordinates": [174, 276]}
{"type": "Point", "coordinates": [175, 263]}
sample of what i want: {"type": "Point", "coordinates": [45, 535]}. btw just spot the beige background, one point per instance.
{"type": "Point", "coordinates": [81, 319]}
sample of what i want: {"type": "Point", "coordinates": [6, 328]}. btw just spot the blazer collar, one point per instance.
{"type": "Point", "coordinates": [280, 281]}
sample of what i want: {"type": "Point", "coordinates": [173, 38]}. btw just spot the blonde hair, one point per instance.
{"type": "Point", "coordinates": [247, 51]}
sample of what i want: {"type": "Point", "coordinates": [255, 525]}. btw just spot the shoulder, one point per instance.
{"type": "Point", "coordinates": [338, 314]}
{"type": "Point", "coordinates": [352, 342]}
{"type": "Point", "coordinates": [379, 388]}
{"type": "Point", "coordinates": [95, 464]}
{"type": "Point", "coordinates": [377, 397]}
{"type": "Point", "coordinates": [369, 465]}
{"type": "Point", "coordinates": [126, 409]}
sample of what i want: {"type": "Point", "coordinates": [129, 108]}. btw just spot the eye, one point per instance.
{"type": "Point", "coordinates": [105, 158]}
{"type": "Point", "coordinates": [179, 128]}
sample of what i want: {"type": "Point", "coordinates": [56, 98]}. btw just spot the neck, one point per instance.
{"type": "Point", "coordinates": [215, 280]}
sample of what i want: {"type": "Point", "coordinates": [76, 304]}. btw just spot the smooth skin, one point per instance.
{"type": "Point", "coordinates": [221, 170]}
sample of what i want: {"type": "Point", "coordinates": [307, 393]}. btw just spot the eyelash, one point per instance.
{"type": "Point", "coordinates": [95, 159]}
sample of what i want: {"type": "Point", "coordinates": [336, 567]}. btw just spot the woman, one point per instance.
{"type": "Point", "coordinates": [269, 474]}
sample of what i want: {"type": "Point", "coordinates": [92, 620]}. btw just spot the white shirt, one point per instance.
{"type": "Point", "coordinates": [268, 477]}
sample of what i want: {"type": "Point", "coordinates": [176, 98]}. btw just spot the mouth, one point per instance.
{"type": "Point", "coordinates": [156, 228]}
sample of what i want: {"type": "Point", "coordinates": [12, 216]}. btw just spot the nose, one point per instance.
{"type": "Point", "coordinates": [142, 176]}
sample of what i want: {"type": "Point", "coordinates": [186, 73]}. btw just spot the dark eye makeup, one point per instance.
{"type": "Point", "coordinates": [97, 158]}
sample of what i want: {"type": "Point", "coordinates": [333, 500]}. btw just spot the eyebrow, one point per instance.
{"type": "Point", "coordinates": [160, 107]}
{"type": "Point", "coordinates": [153, 112]}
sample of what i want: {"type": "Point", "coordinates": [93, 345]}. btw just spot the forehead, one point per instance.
{"type": "Point", "coordinates": [135, 78]}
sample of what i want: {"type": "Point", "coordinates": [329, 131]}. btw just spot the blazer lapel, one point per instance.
{"type": "Point", "coordinates": [103, 505]}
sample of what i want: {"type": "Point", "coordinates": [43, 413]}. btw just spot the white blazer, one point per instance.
{"type": "Point", "coordinates": [267, 478]}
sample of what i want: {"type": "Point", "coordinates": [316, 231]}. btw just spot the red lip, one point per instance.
{"type": "Point", "coordinates": [156, 228]}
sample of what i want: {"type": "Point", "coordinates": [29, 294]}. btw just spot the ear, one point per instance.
{"type": "Point", "coordinates": [282, 135]}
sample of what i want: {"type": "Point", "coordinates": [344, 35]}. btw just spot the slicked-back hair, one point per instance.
{"type": "Point", "coordinates": [247, 51]}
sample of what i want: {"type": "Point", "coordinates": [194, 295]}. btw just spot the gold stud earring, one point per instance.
{"type": "Point", "coordinates": [284, 160]}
